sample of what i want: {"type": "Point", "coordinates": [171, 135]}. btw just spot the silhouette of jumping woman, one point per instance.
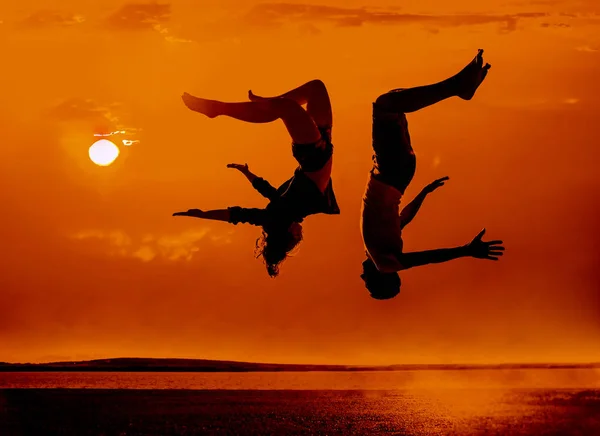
{"type": "Point", "coordinates": [393, 169]}
{"type": "Point", "coordinates": [309, 191]}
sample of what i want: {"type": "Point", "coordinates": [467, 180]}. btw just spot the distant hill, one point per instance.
{"type": "Point", "coordinates": [202, 365]}
{"type": "Point", "coordinates": [183, 365]}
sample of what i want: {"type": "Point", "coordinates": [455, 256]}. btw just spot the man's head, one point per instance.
{"type": "Point", "coordinates": [382, 286]}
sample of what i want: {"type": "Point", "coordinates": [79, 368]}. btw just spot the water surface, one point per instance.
{"type": "Point", "coordinates": [367, 380]}
{"type": "Point", "coordinates": [463, 402]}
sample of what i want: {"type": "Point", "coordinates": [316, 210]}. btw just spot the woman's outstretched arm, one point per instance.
{"type": "Point", "coordinates": [233, 215]}
{"type": "Point", "coordinates": [261, 185]}
{"type": "Point", "coordinates": [217, 215]}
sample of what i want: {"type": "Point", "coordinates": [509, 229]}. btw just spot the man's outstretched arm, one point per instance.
{"type": "Point", "coordinates": [477, 248]}
{"type": "Point", "coordinates": [261, 185]}
{"type": "Point", "coordinates": [411, 209]}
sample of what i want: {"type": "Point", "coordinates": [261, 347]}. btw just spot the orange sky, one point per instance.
{"type": "Point", "coordinates": [93, 265]}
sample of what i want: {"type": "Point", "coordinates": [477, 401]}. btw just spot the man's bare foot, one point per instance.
{"type": "Point", "coordinates": [469, 79]}
{"type": "Point", "coordinates": [204, 106]}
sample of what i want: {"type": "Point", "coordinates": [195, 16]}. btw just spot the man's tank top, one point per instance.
{"type": "Point", "coordinates": [380, 224]}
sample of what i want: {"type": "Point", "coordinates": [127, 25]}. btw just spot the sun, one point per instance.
{"type": "Point", "coordinates": [103, 152]}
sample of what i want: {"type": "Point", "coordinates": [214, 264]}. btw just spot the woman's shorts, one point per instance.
{"type": "Point", "coordinates": [313, 157]}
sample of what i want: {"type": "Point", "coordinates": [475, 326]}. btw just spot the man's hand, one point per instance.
{"type": "Point", "coordinates": [479, 249]}
{"type": "Point", "coordinates": [196, 213]}
{"type": "Point", "coordinates": [434, 185]}
{"type": "Point", "coordinates": [241, 168]}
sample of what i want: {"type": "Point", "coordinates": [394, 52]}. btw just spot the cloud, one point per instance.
{"type": "Point", "coordinates": [582, 18]}
{"type": "Point", "coordinates": [144, 253]}
{"type": "Point", "coordinates": [83, 109]}
{"type": "Point", "coordinates": [563, 25]}
{"type": "Point", "coordinates": [535, 3]}
{"type": "Point", "coordinates": [130, 17]}
{"type": "Point", "coordinates": [47, 18]}
{"type": "Point", "coordinates": [169, 37]}
{"type": "Point", "coordinates": [173, 247]}
{"type": "Point", "coordinates": [587, 49]}
{"type": "Point", "coordinates": [539, 104]}
{"type": "Point", "coordinates": [145, 16]}
{"type": "Point", "coordinates": [139, 16]}
{"type": "Point", "coordinates": [102, 118]}
{"type": "Point", "coordinates": [275, 14]}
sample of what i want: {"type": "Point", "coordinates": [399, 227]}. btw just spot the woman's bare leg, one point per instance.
{"type": "Point", "coordinates": [298, 122]}
{"type": "Point", "coordinates": [463, 85]}
{"type": "Point", "coordinates": [314, 94]}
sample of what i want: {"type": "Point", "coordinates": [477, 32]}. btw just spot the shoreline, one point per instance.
{"type": "Point", "coordinates": [194, 366]}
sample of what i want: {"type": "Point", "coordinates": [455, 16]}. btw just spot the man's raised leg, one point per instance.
{"type": "Point", "coordinates": [463, 85]}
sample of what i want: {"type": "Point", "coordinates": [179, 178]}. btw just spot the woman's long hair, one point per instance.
{"type": "Point", "coordinates": [275, 245]}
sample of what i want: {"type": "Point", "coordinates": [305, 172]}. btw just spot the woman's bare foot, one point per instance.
{"type": "Point", "coordinates": [254, 97]}
{"type": "Point", "coordinates": [204, 106]}
{"type": "Point", "coordinates": [469, 79]}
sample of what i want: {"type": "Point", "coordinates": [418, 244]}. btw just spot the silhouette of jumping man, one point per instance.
{"type": "Point", "coordinates": [308, 192]}
{"type": "Point", "coordinates": [394, 167]}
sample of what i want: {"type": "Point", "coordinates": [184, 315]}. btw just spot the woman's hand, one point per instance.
{"type": "Point", "coordinates": [196, 213]}
{"type": "Point", "coordinates": [241, 168]}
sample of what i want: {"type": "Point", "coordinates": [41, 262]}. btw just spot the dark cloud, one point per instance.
{"type": "Point", "coordinates": [543, 2]}
{"type": "Point", "coordinates": [555, 25]}
{"type": "Point", "coordinates": [47, 18]}
{"type": "Point", "coordinates": [273, 14]}
{"type": "Point", "coordinates": [587, 49]}
{"type": "Point", "coordinates": [535, 3]}
{"type": "Point", "coordinates": [140, 16]}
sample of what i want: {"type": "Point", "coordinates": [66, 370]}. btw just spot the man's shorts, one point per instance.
{"type": "Point", "coordinates": [394, 161]}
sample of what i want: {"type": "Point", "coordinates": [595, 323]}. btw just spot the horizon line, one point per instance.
{"type": "Point", "coordinates": [513, 364]}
